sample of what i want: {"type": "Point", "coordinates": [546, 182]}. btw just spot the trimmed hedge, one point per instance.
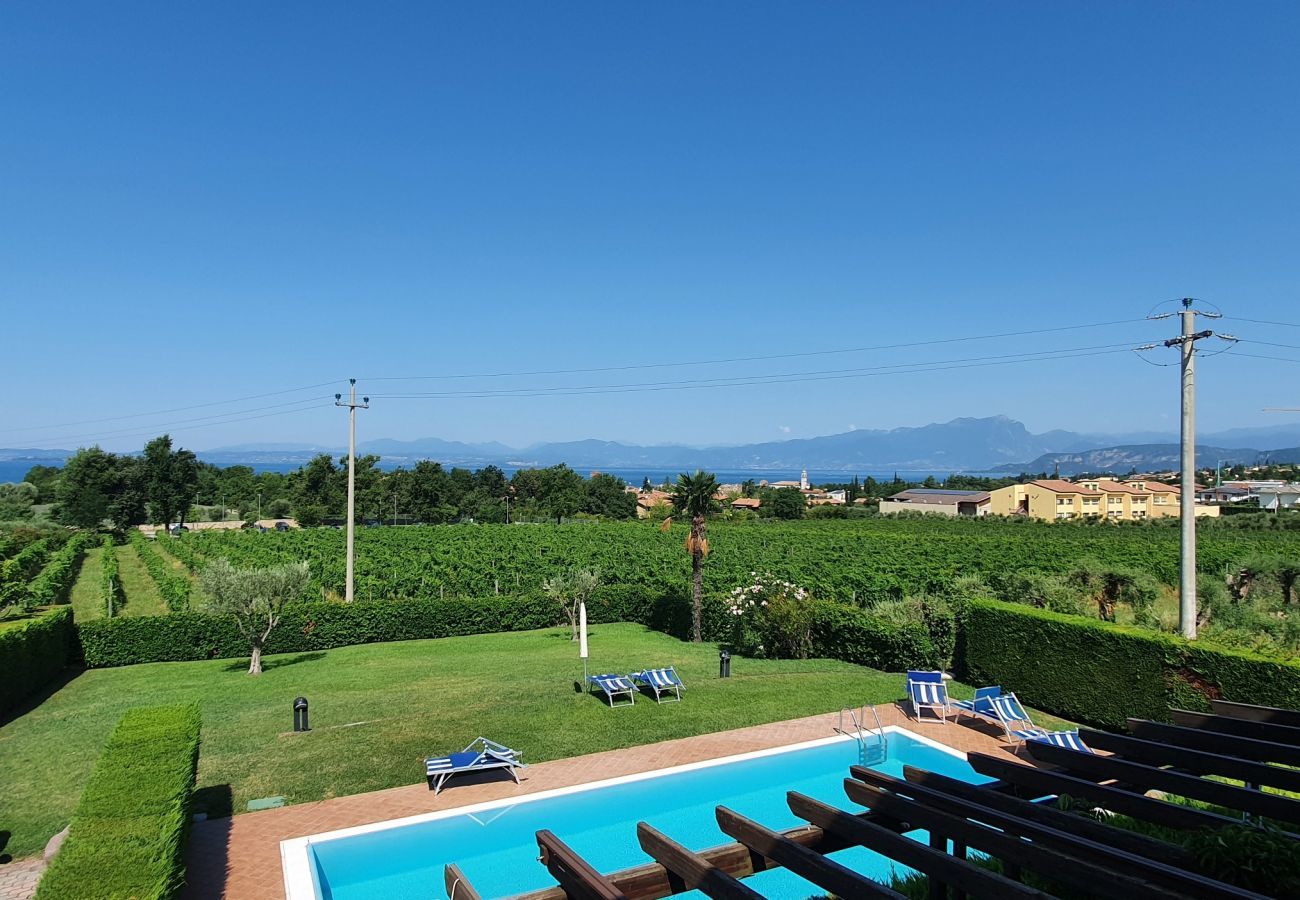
{"type": "Point", "coordinates": [1102, 674]}
{"type": "Point", "coordinates": [32, 653]}
{"type": "Point", "coordinates": [129, 831]}
{"type": "Point", "coordinates": [308, 626]}
{"type": "Point", "coordinates": [854, 635]}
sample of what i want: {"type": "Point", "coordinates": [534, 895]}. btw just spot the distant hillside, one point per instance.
{"type": "Point", "coordinates": [1148, 458]}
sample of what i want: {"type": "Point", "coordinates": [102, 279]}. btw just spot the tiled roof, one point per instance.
{"type": "Point", "coordinates": [1060, 486]}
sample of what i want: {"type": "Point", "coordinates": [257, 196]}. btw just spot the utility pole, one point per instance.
{"type": "Point", "coordinates": [1186, 341]}
{"type": "Point", "coordinates": [352, 406]}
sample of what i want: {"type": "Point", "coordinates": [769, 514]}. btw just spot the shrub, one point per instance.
{"type": "Point", "coordinates": [854, 635]}
{"type": "Point", "coordinates": [770, 618]}
{"type": "Point", "coordinates": [129, 831]}
{"type": "Point", "coordinates": [16, 571]}
{"type": "Point", "coordinates": [32, 653]}
{"type": "Point", "coordinates": [1101, 674]}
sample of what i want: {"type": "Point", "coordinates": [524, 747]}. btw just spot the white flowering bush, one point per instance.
{"type": "Point", "coordinates": [771, 618]}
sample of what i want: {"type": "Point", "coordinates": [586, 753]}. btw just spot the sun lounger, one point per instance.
{"type": "Point", "coordinates": [665, 683]}
{"type": "Point", "coordinates": [926, 690]}
{"type": "Point", "coordinates": [1070, 740]}
{"type": "Point", "coordinates": [615, 686]}
{"type": "Point", "coordinates": [480, 756]}
{"type": "Point", "coordinates": [1004, 710]}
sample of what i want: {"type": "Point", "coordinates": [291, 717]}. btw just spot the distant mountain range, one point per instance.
{"type": "Point", "coordinates": [995, 443]}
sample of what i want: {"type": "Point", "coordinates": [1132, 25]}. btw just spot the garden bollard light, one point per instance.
{"type": "Point", "coordinates": [724, 663]}
{"type": "Point", "coordinates": [300, 715]}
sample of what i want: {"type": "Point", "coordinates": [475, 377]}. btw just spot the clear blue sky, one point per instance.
{"type": "Point", "coordinates": [209, 202]}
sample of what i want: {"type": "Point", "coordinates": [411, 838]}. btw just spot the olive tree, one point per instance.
{"type": "Point", "coordinates": [572, 589]}
{"type": "Point", "coordinates": [255, 598]}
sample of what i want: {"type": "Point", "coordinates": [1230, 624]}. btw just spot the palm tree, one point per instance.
{"type": "Point", "coordinates": [693, 496]}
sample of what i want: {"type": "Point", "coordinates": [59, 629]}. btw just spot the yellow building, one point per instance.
{"type": "Point", "coordinates": [1051, 499]}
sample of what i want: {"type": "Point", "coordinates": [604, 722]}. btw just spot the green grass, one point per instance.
{"type": "Point", "coordinates": [142, 597]}
{"type": "Point", "coordinates": [378, 709]}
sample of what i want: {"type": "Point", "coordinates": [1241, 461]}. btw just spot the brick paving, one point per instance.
{"type": "Point", "coordinates": [18, 879]}
{"type": "Point", "coordinates": [239, 858]}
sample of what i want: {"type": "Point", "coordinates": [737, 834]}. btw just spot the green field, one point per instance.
{"type": "Point", "coordinates": [378, 709]}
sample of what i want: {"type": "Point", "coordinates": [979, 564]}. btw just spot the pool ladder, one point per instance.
{"type": "Point", "coordinates": [860, 733]}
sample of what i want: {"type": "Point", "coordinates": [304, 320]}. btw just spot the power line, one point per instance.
{"type": "Point", "coordinates": [198, 422]}
{"type": "Point", "coordinates": [704, 384]}
{"type": "Point", "coordinates": [1263, 321]}
{"type": "Point", "coordinates": [162, 412]}
{"type": "Point", "coordinates": [768, 357]}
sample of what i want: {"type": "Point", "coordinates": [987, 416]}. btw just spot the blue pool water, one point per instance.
{"type": "Point", "coordinates": [497, 848]}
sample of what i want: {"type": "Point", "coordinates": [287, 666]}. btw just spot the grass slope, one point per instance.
{"type": "Point", "coordinates": [413, 699]}
{"type": "Point", "coordinates": [85, 597]}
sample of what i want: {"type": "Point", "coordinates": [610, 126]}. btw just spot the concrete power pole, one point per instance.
{"type": "Point", "coordinates": [352, 406]}
{"type": "Point", "coordinates": [1186, 341]}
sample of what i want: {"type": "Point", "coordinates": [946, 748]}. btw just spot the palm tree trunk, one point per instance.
{"type": "Point", "coordinates": [697, 580]}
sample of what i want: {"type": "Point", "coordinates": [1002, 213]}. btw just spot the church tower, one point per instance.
{"type": "Point", "coordinates": [803, 480]}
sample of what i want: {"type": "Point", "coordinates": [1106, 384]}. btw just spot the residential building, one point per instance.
{"type": "Point", "coordinates": [746, 503]}
{"type": "Point", "coordinates": [938, 501]}
{"type": "Point", "coordinates": [1052, 499]}
{"type": "Point", "coordinates": [1286, 496]}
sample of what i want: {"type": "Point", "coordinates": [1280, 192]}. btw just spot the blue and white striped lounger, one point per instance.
{"type": "Point", "coordinates": [926, 690]}
{"type": "Point", "coordinates": [480, 756]}
{"type": "Point", "coordinates": [615, 686]}
{"type": "Point", "coordinates": [1013, 718]}
{"type": "Point", "coordinates": [665, 683]}
{"type": "Point", "coordinates": [1070, 740]}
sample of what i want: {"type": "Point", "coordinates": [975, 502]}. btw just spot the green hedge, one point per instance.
{"type": "Point", "coordinates": [308, 626]}
{"type": "Point", "coordinates": [129, 831]}
{"type": "Point", "coordinates": [852, 634]}
{"type": "Point", "coordinates": [1102, 674]}
{"type": "Point", "coordinates": [32, 653]}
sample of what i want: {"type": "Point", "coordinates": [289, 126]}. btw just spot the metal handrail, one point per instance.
{"type": "Point", "coordinates": [859, 732]}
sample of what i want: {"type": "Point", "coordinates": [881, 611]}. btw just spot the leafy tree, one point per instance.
{"type": "Point", "coordinates": [255, 598]}
{"type": "Point", "coordinates": [693, 497]}
{"type": "Point", "coordinates": [645, 484]}
{"type": "Point", "coordinates": [608, 496]}
{"type": "Point", "coordinates": [87, 488]}
{"type": "Point", "coordinates": [16, 500]}
{"type": "Point", "coordinates": [749, 488]}
{"type": "Point", "coordinates": [317, 487]}
{"type": "Point", "coordinates": [130, 502]}
{"type": "Point", "coordinates": [46, 480]}
{"type": "Point", "coordinates": [171, 479]}
{"type": "Point", "coordinates": [787, 503]}
{"type": "Point", "coordinates": [571, 589]}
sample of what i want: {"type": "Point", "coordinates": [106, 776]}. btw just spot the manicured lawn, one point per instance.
{"type": "Point", "coordinates": [378, 709]}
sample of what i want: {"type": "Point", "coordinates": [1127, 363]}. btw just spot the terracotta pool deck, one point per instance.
{"type": "Point", "coordinates": [239, 858]}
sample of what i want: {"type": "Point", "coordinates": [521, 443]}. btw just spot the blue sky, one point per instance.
{"type": "Point", "coordinates": [209, 203]}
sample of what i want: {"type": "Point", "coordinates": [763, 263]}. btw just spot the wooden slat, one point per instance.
{"type": "Point", "coordinates": [1035, 782]}
{"type": "Point", "coordinates": [935, 863]}
{"type": "Point", "coordinates": [693, 871]}
{"type": "Point", "coordinates": [1259, 731]}
{"type": "Point", "coordinates": [1062, 854]}
{"type": "Point", "coordinates": [1044, 814]}
{"type": "Point", "coordinates": [1198, 761]}
{"type": "Point", "coordinates": [1271, 714]}
{"type": "Point", "coordinates": [1149, 777]}
{"type": "Point", "coordinates": [579, 880]}
{"type": "Point", "coordinates": [810, 865]}
{"type": "Point", "coordinates": [458, 886]}
{"type": "Point", "coordinates": [1214, 742]}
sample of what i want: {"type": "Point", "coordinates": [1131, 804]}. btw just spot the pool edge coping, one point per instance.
{"type": "Point", "coordinates": [295, 858]}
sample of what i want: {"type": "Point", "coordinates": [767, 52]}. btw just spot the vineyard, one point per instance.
{"type": "Point", "coordinates": [858, 560]}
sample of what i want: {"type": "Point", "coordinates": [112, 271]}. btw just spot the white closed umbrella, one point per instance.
{"type": "Point", "coordinates": [582, 637]}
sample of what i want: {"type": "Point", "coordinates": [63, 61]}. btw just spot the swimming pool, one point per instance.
{"type": "Point", "coordinates": [495, 845]}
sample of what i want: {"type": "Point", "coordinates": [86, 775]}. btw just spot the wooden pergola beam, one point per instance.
{"type": "Point", "coordinates": [1152, 778]}
{"type": "Point", "coordinates": [457, 885]}
{"type": "Point", "coordinates": [1199, 761]}
{"type": "Point", "coordinates": [1044, 814]}
{"type": "Point", "coordinates": [1039, 782]}
{"type": "Point", "coordinates": [690, 870]}
{"type": "Point", "coordinates": [936, 864]}
{"type": "Point", "coordinates": [1062, 854]}
{"type": "Point", "coordinates": [575, 875]}
{"type": "Point", "coordinates": [810, 865]}
{"type": "Point", "coordinates": [1214, 742]}
{"type": "Point", "coordinates": [1259, 731]}
{"type": "Point", "coordinates": [1270, 714]}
